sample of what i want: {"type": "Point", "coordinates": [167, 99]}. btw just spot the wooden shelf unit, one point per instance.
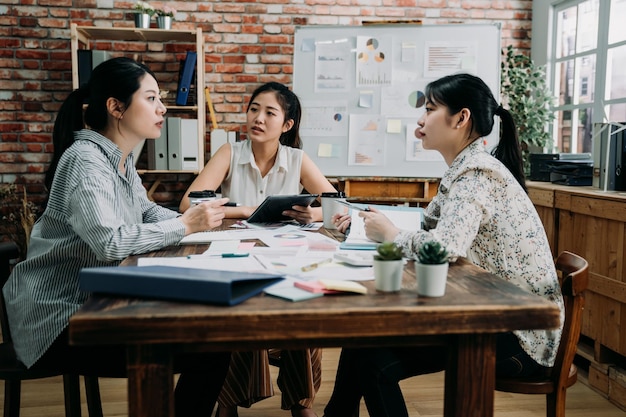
{"type": "Point", "coordinates": [84, 37]}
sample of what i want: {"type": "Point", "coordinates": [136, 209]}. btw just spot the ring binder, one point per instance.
{"type": "Point", "coordinates": [184, 82]}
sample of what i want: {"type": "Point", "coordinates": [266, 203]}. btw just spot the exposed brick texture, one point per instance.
{"type": "Point", "coordinates": [247, 42]}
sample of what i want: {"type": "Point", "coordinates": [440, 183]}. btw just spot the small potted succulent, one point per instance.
{"type": "Point", "coordinates": [431, 269]}
{"type": "Point", "coordinates": [388, 267]}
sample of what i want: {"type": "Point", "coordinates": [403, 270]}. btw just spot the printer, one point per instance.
{"type": "Point", "coordinates": [562, 168]}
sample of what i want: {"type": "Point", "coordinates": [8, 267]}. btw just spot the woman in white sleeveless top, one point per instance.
{"type": "Point", "coordinates": [270, 162]}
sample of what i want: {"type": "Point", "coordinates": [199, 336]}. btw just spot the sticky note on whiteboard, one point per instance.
{"type": "Point", "coordinates": [328, 150]}
{"type": "Point", "coordinates": [394, 126]}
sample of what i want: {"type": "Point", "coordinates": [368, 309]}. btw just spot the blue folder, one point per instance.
{"type": "Point", "coordinates": [177, 283]}
{"type": "Point", "coordinates": [185, 79]}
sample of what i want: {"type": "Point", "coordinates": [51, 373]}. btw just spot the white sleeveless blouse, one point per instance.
{"type": "Point", "coordinates": [244, 184]}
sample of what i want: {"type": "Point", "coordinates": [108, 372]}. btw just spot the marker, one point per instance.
{"type": "Point", "coordinates": [231, 204]}
{"type": "Point", "coordinates": [223, 255]}
{"type": "Point", "coordinates": [352, 206]}
{"type": "Point", "coordinates": [314, 265]}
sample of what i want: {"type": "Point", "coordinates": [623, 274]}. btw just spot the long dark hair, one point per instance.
{"type": "Point", "coordinates": [118, 78]}
{"type": "Point", "coordinates": [290, 104]}
{"type": "Point", "coordinates": [460, 91]}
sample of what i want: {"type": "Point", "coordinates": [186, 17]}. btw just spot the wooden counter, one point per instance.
{"type": "Point", "coordinates": [389, 190]}
{"type": "Point", "coordinates": [591, 223]}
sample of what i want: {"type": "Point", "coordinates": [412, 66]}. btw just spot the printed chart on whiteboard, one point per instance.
{"type": "Point", "coordinates": [362, 91]}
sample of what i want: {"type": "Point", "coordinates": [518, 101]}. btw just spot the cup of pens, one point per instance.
{"type": "Point", "coordinates": [330, 206]}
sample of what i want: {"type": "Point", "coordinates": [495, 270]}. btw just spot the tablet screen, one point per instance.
{"type": "Point", "coordinates": [272, 207]}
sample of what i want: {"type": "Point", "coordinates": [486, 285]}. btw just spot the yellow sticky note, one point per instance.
{"type": "Point", "coordinates": [324, 150]}
{"type": "Point", "coordinates": [328, 150]}
{"type": "Point", "coordinates": [394, 126]}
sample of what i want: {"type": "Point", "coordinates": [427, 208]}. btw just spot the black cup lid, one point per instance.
{"type": "Point", "coordinates": [339, 194]}
{"type": "Point", "coordinates": [202, 194]}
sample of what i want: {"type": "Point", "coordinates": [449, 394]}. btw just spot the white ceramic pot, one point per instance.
{"type": "Point", "coordinates": [142, 20]}
{"type": "Point", "coordinates": [431, 279]}
{"type": "Point", "coordinates": [388, 275]}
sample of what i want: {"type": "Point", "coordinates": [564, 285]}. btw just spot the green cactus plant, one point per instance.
{"type": "Point", "coordinates": [432, 253]}
{"type": "Point", "coordinates": [388, 251]}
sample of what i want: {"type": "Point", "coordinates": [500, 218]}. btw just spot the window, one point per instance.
{"type": "Point", "coordinates": [585, 57]}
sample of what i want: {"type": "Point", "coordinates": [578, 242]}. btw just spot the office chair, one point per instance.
{"type": "Point", "coordinates": [574, 277]}
{"type": "Point", "coordinates": [13, 372]}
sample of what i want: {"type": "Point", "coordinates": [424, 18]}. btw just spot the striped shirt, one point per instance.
{"type": "Point", "coordinates": [95, 216]}
{"type": "Point", "coordinates": [482, 213]}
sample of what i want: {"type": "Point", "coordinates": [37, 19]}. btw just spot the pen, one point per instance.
{"type": "Point", "coordinates": [314, 265]}
{"type": "Point", "coordinates": [231, 204]}
{"type": "Point", "coordinates": [223, 255]}
{"type": "Point", "coordinates": [352, 206]}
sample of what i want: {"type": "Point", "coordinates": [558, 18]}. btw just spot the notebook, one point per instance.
{"type": "Point", "coordinates": [403, 217]}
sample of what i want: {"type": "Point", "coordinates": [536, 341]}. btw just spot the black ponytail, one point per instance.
{"type": "Point", "coordinates": [508, 150]}
{"type": "Point", "coordinates": [69, 120]}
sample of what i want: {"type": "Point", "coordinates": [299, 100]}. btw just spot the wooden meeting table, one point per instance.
{"type": "Point", "coordinates": [477, 306]}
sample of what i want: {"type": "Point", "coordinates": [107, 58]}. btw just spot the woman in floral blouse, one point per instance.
{"type": "Point", "coordinates": [481, 212]}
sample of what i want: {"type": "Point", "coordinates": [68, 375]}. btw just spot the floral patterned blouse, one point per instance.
{"type": "Point", "coordinates": [482, 213]}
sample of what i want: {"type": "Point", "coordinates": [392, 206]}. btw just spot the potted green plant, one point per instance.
{"type": "Point", "coordinates": [165, 16]}
{"type": "Point", "coordinates": [388, 267]}
{"type": "Point", "coordinates": [431, 269]}
{"type": "Point", "coordinates": [526, 94]}
{"type": "Point", "coordinates": [143, 14]}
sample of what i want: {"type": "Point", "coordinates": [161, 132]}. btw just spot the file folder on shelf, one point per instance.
{"type": "Point", "coordinates": [189, 144]}
{"type": "Point", "coordinates": [184, 82]}
{"type": "Point", "coordinates": [87, 60]}
{"type": "Point", "coordinates": [85, 65]}
{"type": "Point", "coordinates": [157, 150]}
{"type": "Point", "coordinates": [182, 144]}
{"type": "Point", "coordinates": [177, 283]}
{"type": "Point", "coordinates": [174, 144]}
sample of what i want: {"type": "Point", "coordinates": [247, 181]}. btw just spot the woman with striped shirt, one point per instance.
{"type": "Point", "coordinates": [97, 214]}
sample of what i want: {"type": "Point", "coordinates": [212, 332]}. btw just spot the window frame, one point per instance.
{"type": "Point", "coordinates": [543, 52]}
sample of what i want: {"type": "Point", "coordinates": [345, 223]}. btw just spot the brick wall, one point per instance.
{"type": "Point", "coordinates": [247, 43]}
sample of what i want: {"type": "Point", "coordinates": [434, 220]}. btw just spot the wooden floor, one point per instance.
{"type": "Point", "coordinates": [424, 396]}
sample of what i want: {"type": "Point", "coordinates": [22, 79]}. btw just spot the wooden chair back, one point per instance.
{"type": "Point", "coordinates": [573, 272]}
{"type": "Point", "coordinates": [574, 278]}
{"type": "Point", "coordinates": [9, 252]}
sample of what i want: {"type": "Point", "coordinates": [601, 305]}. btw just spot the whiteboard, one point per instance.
{"type": "Point", "coordinates": [361, 90]}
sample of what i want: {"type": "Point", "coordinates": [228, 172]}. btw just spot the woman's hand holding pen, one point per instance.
{"type": "Point", "coordinates": [377, 226]}
{"type": "Point", "coordinates": [238, 211]}
{"type": "Point", "coordinates": [204, 216]}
